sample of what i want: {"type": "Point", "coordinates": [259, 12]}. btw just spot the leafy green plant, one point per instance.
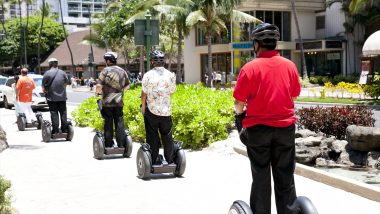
{"type": "Point", "coordinates": [373, 90]}
{"type": "Point", "coordinates": [200, 115]}
{"type": "Point", "coordinates": [5, 196]}
{"type": "Point", "coordinates": [334, 120]}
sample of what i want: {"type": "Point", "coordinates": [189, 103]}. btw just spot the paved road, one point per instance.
{"type": "Point", "coordinates": [64, 178]}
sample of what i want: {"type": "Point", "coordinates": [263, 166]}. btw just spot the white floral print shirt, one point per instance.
{"type": "Point", "coordinates": [159, 84]}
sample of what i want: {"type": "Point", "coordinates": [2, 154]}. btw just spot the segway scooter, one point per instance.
{"type": "Point", "coordinates": [100, 151]}
{"type": "Point", "coordinates": [22, 124]}
{"type": "Point", "coordinates": [301, 205]}
{"type": "Point", "coordinates": [48, 136]}
{"type": "Point", "coordinates": [145, 166]}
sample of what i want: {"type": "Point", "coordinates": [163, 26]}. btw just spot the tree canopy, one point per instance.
{"type": "Point", "coordinates": [52, 36]}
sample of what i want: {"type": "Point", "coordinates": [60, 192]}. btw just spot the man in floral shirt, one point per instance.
{"type": "Point", "coordinates": [112, 82]}
{"type": "Point", "coordinates": [157, 86]}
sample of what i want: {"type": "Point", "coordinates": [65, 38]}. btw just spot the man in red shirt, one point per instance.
{"type": "Point", "coordinates": [264, 107]}
{"type": "Point", "coordinates": [25, 86]}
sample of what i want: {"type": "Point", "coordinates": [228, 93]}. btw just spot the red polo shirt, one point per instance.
{"type": "Point", "coordinates": [267, 84]}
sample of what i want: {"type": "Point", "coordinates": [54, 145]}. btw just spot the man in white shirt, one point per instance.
{"type": "Point", "coordinates": [157, 86]}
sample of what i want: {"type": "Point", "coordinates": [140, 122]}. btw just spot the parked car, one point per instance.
{"type": "Point", "coordinates": [38, 98]}
{"type": "Point", "coordinates": [3, 80]}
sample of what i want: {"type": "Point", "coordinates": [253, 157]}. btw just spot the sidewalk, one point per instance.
{"type": "Point", "coordinates": [63, 177]}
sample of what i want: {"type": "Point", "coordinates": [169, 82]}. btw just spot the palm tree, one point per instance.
{"type": "Point", "coordinates": [67, 39]}
{"type": "Point", "coordinates": [3, 17]}
{"type": "Point", "coordinates": [28, 2]}
{"type": "Point", "coordinates": [303, 61]}
{"type": "Point", "coordinates": [40, 35]}
{"type": "Point", "coordinates": [209, 15]}
{"type": "Point", "coordinates": [175, 12]}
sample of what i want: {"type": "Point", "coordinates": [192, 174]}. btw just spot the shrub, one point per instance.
{"type": "Point", "coordinates": [200, 115]}
{"type": "Point", "coordinates": [334, 120]}
{"type": "Point", "coordinates": [5, 196]}
{"type": "Point", "coordinates": [373, 90]}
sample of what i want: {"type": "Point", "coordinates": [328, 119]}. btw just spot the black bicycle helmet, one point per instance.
{"type": "Point", "coordinates": [267, 33]}
{"type": "Point", "coordinates": [112, 56]}
{"type": "Point", "coordinates": [157, 56]}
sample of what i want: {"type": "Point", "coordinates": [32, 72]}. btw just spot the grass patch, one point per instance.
{"type": "Point", "coordinates": [337, 100]}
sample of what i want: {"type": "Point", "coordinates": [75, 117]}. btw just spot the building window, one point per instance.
{"type": "Point", "coordinates": [221, 62]}
{"type": "Point", "coordinates": [320, 22]}
{"type": "Point", "coordinates": [280, 18]}
{"type": "Point", "coordinates": [73, 14]}
{"type": "Point", "coordinates": [223, 37]}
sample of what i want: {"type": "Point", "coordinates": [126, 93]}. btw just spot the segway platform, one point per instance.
{"type": "Point", "coordinates": [48, 136]}
{"type": "Point", "coordinates": [301, 205]}
{"type": "Point", "coordinates": [145, 167]}
{"type": "Point", "coordinates": [22, 124]}
{"type": "Point", "coordinates": [100, 151]}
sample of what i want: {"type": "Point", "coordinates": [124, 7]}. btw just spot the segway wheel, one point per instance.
{"type": "Point", "coordinates": [46, 131]}
{"type": "Point", "coordinates": [21, 123]}
{"type": "Point", "coordinates": [180, 160]}
{"type": "Point", "coordinates": [240, 207]}
{"type": "Point", "coordinates": [98, 147]}
{"type": "Point", "coordinates": [143, 163]}
{"type": "Point", "coordinates": [40, 121]}
{"type": "Point", "coordinates": [128, 146]}
{"type": "Point", "coordinates": [70, 132]}
{"type": "Point", "coordinates": [303, 205]}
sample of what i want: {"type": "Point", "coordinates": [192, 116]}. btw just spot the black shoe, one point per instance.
{"type": "Point", "coordinates": [109, 144]}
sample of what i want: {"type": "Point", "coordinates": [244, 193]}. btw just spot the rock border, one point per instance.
{"type": "Point", "coordinates": [346, 184]}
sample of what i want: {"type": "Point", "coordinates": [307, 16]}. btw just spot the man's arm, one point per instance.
{"type": "Point", "coordinates": [143, 102]}
{"type": "Point", "coordinates": [239, 106]}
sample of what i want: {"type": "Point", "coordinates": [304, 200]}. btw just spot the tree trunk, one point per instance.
{"type": "Point", "coordinates": [209, 64]}
{"type": "Point", "coordinates": [303, 61]}
{"type": "Point", "coordinates": [179, 55]}
{"type": "Point", "coordinates": [171, 49]}
{"type": "Point", "coordinates": [39, 37]}
{"type": "Point", "coordinates": [67, 40]}
{"type": "Point", "coordinates": [26, 33]}
{"type": "Point", "coordinates": [142, 64]}
{"type": "Point", "coordinates": [21, 34]}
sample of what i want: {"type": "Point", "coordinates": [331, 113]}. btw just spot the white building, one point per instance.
{"type": "Point", "coordinates": [325, 43]}
{"type": "Point", "coordinates": [75, 12]}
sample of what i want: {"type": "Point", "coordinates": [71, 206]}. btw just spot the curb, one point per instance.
{"type": "Point", "coordinates": [346, 184]}
{"type": "Point", "coordinates": [334, 104]}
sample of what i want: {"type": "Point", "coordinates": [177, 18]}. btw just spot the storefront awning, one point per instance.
{"type": "Point", "coordinates": [371, 46]}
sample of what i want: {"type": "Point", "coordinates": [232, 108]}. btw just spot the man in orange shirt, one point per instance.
{"type": "Point", "coordinates": [25, 87]}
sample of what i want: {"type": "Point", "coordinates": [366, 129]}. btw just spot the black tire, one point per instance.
{"type": "Point", "coordinates": [70, 132]}
{"type": "Point", "coordinates": [21, 123]}
{"type": "Point", "coordinates": [98, 147]}
{"type": "Point", "coordinates": [180, 160]}
{"type": "Point", "coordinates": [40, 121]}
{"type": "Point", "coordinates": [303, 205]}
{"type": "Point", "coordinates": [240, 207]}
{"type": "Point", "coordinates": [46, 132]}
{"type": "Point", "coordinates": [128, 146]}
{"type": "Point", "coordinates": [143, 163]}
{"type": "Point", "coordinates": [6, 104]}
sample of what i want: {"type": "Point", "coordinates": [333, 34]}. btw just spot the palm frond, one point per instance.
{"type": "Point", "coordinates": [195, 17]}
{"type": "Point", "coordinates": [94, 39]}
{"type": "Point", "coordinates": [239, 16]}
{"type": "Point", "coordinates": [139, 15]}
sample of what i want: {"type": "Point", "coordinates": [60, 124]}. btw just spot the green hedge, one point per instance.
{"type": "Point", "coordinates": [5, 196]}
{"type": "Point", "coordinates": [200, 115]}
